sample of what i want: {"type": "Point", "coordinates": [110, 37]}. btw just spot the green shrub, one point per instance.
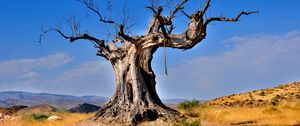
{"type": "Point", "coordinates": [184, 122]}
{"type": "Point", "coordinates": [274, 101]}
{"type": "Point", "coordinates": [39, 116]}
{"type": "Point", "coordinates": [189, 104]}
{"type": "Point", "coordinates": [192, 108]}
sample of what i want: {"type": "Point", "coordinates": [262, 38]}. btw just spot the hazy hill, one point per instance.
{"type": "Point", "coordinates": [12, 98]}
{"type": "Point", "coordinates": [270, 96]}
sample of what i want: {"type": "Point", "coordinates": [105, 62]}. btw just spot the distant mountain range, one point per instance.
{"type": "Point", "coordinates": [12, 98]}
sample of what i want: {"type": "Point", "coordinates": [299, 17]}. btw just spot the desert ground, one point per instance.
{"type": "Point", "coordinates": [267, 107]}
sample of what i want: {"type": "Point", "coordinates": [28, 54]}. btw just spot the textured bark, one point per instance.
{"type": "Point", "coordinates": [135, 99]}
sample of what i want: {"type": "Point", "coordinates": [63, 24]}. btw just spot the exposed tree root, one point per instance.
{"type": "Point", "coordinates": [134, 114]}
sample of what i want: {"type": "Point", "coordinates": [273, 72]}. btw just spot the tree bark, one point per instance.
{"type": "Point", "coordinates": [135, 99]}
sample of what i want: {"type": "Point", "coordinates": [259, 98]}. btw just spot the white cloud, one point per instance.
{"type": "Point", "coordinates": [253, 62]}
{"type": "Point", "coordinates": [26, 67]}
{"type": "Point", "coordinates": [85, 69]}
{"type": "Point", "coordinates": [89, 77]}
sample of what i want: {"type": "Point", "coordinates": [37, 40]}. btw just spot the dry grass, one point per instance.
{"type": "Point", "coordinates": [280, 94]}
{"type": "Point", "coordinates": [69, 119]}
{"type": "Point", "coordinates": [267, 115]}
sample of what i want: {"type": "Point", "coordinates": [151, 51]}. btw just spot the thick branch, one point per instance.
{"type": "Point", "coordinates": [154, 24]}
{"type": "Point", "coordinates": [126, 37]}
{"type": "Point", "coordinates": [194, 34]}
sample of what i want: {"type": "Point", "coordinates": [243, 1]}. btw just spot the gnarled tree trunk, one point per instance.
{"type": "Point", "coordinates": [135, 99]}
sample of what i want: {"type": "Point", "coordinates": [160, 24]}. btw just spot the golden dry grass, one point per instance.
{"type": "Point", "coordinates": [69, 119]}
{"type": "Point", "coordinates": [282, 93]}
{"type": "Point", "coordinates": [267, 115]}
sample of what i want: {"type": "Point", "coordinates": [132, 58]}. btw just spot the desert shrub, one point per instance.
{"type": "Point", "coordinates": [262, 93]}
{"type": "Point", "coordinates": [192, 108]}
{"type": "Point", "coordinates": [281, 86]}
{"type": "Point", "coordinates": [278, 97]}
{"type": "Point", "coordinates": [271, 110]}
{"type": "Point", "coordinates": [189, 104]}
{"type": "Point", "coordinates": [184, 122]}
{"type": "Point", "coordinates": [38, 116]}
{"type": "Point", "coordinates": [250, 95]}
{"type": "Point", "coordinates": [297, 96]}
{"type": "Point", "coordinates": [274, 101]}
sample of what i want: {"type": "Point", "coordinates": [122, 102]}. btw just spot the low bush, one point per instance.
{"type": "Point", "coordinates": [38, 117]}
{"type": "Point", "coordinates": [184, 122]}
{"type": "Point", "coordinates": [192, 108]}
{"type": "Point", "coordinates": [274, 101]}
{"type": "Point", "coordinates": [189, 104]}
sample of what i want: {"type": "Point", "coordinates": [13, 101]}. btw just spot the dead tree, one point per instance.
{"type": "Point", "coordinates": [136, 99]}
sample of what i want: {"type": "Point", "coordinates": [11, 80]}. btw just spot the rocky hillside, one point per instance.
{"type": "Point", "coordinates": [13, 98]}
{"type": "Point", "coordinates": [42, 108]}
{"type": "Point", "coordinates": [11, 110]}
{"type": "Point", "coordinates": [271, 96]}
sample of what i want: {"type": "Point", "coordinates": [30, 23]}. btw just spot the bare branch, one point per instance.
{"type": "Point", "coordinates": [178, 7]}
{"type": "Point", "coordinates": [152, 9]}
{"type": "Point", "coordinates": [90, 5]}
{"type": "Point", "coordinates": [103, 50]}
{"type": "Point", "coordinates": [207, 4]}
{"type": "Point", "coordinates": [181, 9]}
{"type": "Point", "coordinates": [228, 19]}
{"type": "Point", "coordinates": [44, 32]}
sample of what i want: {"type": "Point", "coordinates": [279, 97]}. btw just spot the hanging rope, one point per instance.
{"type": "Point", "coordinates": [165, 58]}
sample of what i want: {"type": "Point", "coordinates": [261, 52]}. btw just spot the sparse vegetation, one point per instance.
{"type": "Point", "coordinates": [263, 115]}
{"type": "Point", "coordinates": [274, 101]}
{"type": "Point", "coordinates": [189, 104]}
{"type": "Point", "coordinates": [262, 93]}
{"type": "Point", "coordinates": [69, 119]}
{"type": "Point", "coordinates": [184, 122]}
{"type": "Point", "coordinates": [191, 108]}
{"type": "Point", "coordinates": [270, 96]}
{"type": "Point", "coordinates": [38, 116]}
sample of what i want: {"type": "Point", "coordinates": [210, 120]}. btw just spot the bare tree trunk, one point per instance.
{"type": "Point", "coordinates": [135, 99]}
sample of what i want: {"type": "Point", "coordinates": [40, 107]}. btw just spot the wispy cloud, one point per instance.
{"type": "Point", "coordinates": [41, 75]}
{"type": "Point", "coordinates": [252, 62]}
{"type": "Point", "coordinates": [27, 67]}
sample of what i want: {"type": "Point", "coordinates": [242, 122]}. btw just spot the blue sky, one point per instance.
{"type": "Point", "coordinates": [257, 52]}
